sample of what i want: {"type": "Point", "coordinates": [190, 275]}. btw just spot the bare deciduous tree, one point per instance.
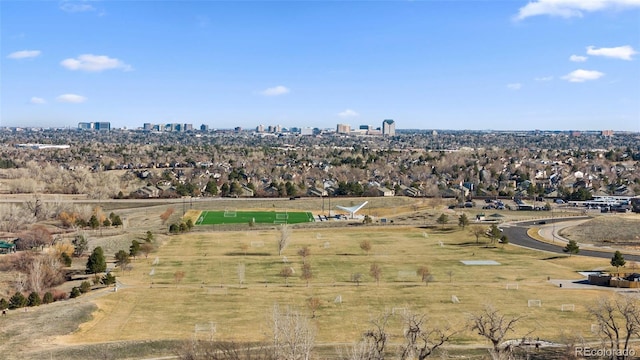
{"type": "Point", "coordinates": [494, 327]}
{"type": "Point", "coordinates": [376, 272]}
{"type": "Point", "coordinates": [286, 273]}
{"type": "Point", "coordinates": [422, 340]}
{"type": "Point", "coordinates": [425, 274]}
{"type": "Point", "coordinates": [373, 343]}
{"type": "Point", "coordinates": [365, 245]}
{"type": "Point", "coordinates": [304, 252]}
{"type": "Point", "coordinates": [477, 231]}
{"type": "Point", "coordinates": [313, 303]}
{"type": "Point", "coordinates": [307, 274]}
{"type": "Point", "coordinates": [167, 214]}
{"type": "Point", "coordinates": [178, 276]}
{"type": "Point", "coordinates": [618, 321]}
{"type": "Point", "coordinates": [293, 335]}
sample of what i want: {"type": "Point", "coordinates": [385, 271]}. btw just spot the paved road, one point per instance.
{"type": "Point", "coordinates": [517, 235]}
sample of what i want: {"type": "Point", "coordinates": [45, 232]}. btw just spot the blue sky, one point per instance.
{"type": "Point", "coordinates": [506, 65]}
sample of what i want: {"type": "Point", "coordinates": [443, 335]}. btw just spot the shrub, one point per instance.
{"type": "Point", "coordinates": [65, 259]}
{"type": "Point", "coordinates": [59, 295]}
{"type": "Point", "coordinates": [47, 298]}
{"type": "Point", "coordinates": [108, 279]}
{"type": "Point", "coordinates": [4, 304]}
{"type": "Point", "coordinates": [75, 292]}
{"type": "Point", "coordinates": [34, 299]}
{"type": "Point", "coordinates": [85, 287]}
{"type": "Point", "coordinates": [17, 301]}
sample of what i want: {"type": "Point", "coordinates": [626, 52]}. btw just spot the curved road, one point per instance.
{"type": "Point", "coordinates": [517, 234]}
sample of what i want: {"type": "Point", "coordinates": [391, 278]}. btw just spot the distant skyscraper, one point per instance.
{"type": "Point", "coordinates": [147, 126]}
{"type": "Point", "coordinates": [389, 127]}
{"type": "Point", "coordinates": [260, 128]}
{"type": "Point", "coordinates": [204, 128]}
{"type": "Point", "coordinates": [343, 129]}
{"type": "Point", "coordinates": [103, 126]}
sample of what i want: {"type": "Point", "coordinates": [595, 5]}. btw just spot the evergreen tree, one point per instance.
{"type": "Point", "coordinates": [4, 304]}
{"type": "Point", "coordinates": [443, 219]}
{"type": "Point", "coordinates": [80, 245]}
{"type": "Point", "coordinates": [504, 239]}
{"type": "Point", "coordinates": [34, 299]}
{"type": "Point", "coordinates": [617, 260]}
{"type": "Point", "coordinates": [571, 248]}
{"type": "Point", "coordinates": [134, 249]}
{"type": "Point", "coordinates": [47, 298]}
{"type": "Point", "coordinates": [96, 262]}
{"type": "Point", "coordinates": [75, 292]}
{"type": "Point", "coordinates": [463, 221]}
{"type": "Point", "coordinates": [17, 301]}
{"type": "Point", "coordinates": [93, 222]}
{"type": "Point", "coordinates": [65, 259]}
{"type": "Point", "coordinates": [212, 188]}
{"type": "Point", "coordinates": [494, 233]}
{"type": "Point", "coordinates": [108, 279]}
{"type": "Point", "coordinates": [85, 287]}
{"type": "Point", "coordinates": [122, 259]}
{"type": "Point", "coordinates": [116, 221]}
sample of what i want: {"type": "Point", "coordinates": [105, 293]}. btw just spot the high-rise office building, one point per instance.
{"type": "Point", "coordinates": [343, 129]}
{"type": "Point", "coordinates": [389, 127]}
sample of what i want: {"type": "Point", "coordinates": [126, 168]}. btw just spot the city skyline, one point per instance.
{"type": "Point", "coordinates": [560, 65]}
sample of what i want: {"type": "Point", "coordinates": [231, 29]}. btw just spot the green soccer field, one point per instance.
{"type": "Point", "coordinates": [258, 217]}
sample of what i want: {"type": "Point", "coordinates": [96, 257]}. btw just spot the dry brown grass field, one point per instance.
{"type": "Point", "coordinates": [151, 307]}
{"type": "Point", "coordinates": [608, 230]}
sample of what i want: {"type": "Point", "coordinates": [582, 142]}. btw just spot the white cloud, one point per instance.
{"type": "Point", "coordinates": [24, 54]}
{"type": "Point", "coordinates": [544, 78]}
{"type": "Point", "coordinates": [514, 86]}
{"type": "Point", "coordinates": [275, 91]}
{"type": "Point", "coordinates": [76, 6]}
{"type": "Point", "coordinates": [94, 63]}
{"type": "Point", "coordinates": [571, 8]}
{"type": "Point", "coordinates": [348, 113]}
{"type": "Point", "coordinates": [620, 52]}
{"type": "Point", "coordinates": [583, 75]}
{"type": "Point", "coordinates": [578, 58]}
{"type": "Point", "coordinates": [37, 101]}
{"type": "Point", "coordinates": [71, 98]}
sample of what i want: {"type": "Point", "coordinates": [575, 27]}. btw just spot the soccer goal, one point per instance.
{"type": "Point", "coordinates": [398, 311]}
{"type": "Point", "coordinates": [511, 286]}
{"type": "Point", "coordinates": [567, 307]}
{"type": "Point", "coordinates": [536, 303]}
{"type": "Point", "coordinates": [208, 329]}
{"type": "Point", "coordinates": [230, 213]}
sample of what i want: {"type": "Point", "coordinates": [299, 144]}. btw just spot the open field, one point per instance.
{"type": "Point", "coordinates": [151, 312]}
{"type": "Point", "coordinates": [155, 307]}
{"type": "Point", "coordinates": [608, 230]}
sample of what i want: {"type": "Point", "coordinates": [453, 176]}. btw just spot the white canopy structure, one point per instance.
{"type": "Point", "coordinates": [352, 210]}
